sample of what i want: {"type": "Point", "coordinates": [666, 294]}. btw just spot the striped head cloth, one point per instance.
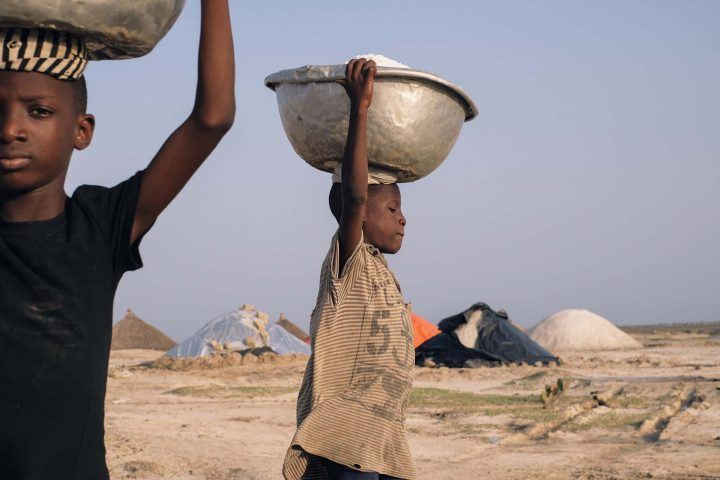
{"type": "Point", "coordinates": [58, 54]}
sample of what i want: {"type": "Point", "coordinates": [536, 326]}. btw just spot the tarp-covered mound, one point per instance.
{"type": "Point", "coordinates": [236, 330]}
{"type": "Point", "coordinates": [283, 342]}
{"type": "Point", "coordinates": [480, 336]}
{"type": "Point", "coordinates": [132, 332]}
{"type": "Point", "coordinates": [422, 330]}
{"type": "Point", "coordinates": [580, 330]}
{"type": "Point", "coordinates": [445, 350]}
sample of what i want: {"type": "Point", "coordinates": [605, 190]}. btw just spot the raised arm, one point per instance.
{"type": "Point", "coordinates": [211, 117]}
{"type": "Point", "coordinates": [359, 79]}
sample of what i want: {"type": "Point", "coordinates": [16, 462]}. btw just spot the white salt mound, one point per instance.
{"type": "Point", "coordinates": [580, 330]}
{"type": "Point", "coordinates": [243, 328]}
{"type": "Point", "coordinates": [284, 342]}
{"type": "Point", "coordinates": [382, 61]}
{"type": "Point", "coordinates": [237, 330]}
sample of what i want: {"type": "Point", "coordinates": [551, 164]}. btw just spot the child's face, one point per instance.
{"type": "Point", "coordinates": [384, 222]}
{"type": "Point", "coordinates": [39, 127]}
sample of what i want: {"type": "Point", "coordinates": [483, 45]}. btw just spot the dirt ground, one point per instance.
{"type": "Point", "coordinates": [647, 413]}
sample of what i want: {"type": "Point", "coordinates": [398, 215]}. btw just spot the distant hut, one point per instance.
{"type": "Point", "coordinates": [133, 333]}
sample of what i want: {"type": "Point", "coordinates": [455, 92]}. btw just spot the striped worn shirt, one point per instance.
{"type": "Point", "coordinates": [352, 402]}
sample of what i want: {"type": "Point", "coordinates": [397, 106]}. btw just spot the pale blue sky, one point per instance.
{"type": "Point", "coordinates": [591, 178]}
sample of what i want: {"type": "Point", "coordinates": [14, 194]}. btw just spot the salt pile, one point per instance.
{"type": "Point", "coordinates": [237, 330]}
{"type": "Point", "coordinates": [382, 61]}
{"type": "Point", "coordinates": [580, 330]}
{"type": "Point", "coordinates": [284, 342]}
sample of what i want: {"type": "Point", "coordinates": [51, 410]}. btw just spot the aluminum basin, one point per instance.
{"type": "Point", "coordinates": [413, 123]}
{"type": "Point", "coordinates": [113, 29]}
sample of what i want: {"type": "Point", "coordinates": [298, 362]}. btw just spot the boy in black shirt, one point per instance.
{"type": "Point", "coordinates": [61, 258]}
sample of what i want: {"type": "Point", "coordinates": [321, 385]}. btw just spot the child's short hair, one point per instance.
{"type": "Point", "coordinates": [80, 95]}
{"type": "Point", "coordinates": [335, 197]}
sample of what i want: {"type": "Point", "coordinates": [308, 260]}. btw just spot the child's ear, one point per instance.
{"type": "Point", "coordinates": [84, 133]}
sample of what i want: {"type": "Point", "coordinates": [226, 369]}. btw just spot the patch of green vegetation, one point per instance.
{"type": "Point", "coordinates": [631, 401]}
{"type": "Point", "coordinates": [537, 415]}
{"type": "Point", "coordinates": [552, 393]}
{"type": "Point", "coordinates": [507, 400]}
{"type": "Point", "coordinates": [528, 380]}
{"type": "Point", "coordinates": [224, 391]}
{"type": "Point", "coordinates": [454, 408]}
{"type": "Point", "coordinates": [466, 401]}
{"type": "Point", "coordinates": [455, 405]}
{"type": "Point", "coordinates": [610, 421]}
{"type": "Point", "coordinates": [461, 412]}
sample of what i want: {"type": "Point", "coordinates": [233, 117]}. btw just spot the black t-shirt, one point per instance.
{"type": "Point", "coordinates": [57, 283]}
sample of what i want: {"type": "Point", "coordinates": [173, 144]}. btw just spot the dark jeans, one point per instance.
{"type": "Point", "coordinates": [341, 472]}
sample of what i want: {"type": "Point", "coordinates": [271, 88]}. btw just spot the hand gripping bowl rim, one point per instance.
{"type": "Point", "coordinates": [334, 73]}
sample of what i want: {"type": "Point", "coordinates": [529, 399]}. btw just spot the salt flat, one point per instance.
{"type": "Point", "coordinates": [652, 412]}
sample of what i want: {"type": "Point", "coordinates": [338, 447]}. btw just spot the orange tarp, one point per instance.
{"type": "Point", "coordinates": [422, 330]}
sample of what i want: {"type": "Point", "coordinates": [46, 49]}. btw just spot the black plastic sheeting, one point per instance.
{"type": "Point", "coordinates": [498, 341]}
{"type": "Point", "coordinates": [445, 350]}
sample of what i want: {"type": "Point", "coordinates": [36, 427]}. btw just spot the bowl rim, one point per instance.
{"type": "Point", "coordinates": [334, 73]}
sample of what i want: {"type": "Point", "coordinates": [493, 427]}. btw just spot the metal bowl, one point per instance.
{"type": "Point", "coordinates": [113, 29]}
{"type": "Point", "coordinates": [413, 123]}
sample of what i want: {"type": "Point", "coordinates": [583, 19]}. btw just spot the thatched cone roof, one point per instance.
{"type": "Point", "coordinates": [294, 329]}
{"type": "Point", "coordinates": [131, 332]}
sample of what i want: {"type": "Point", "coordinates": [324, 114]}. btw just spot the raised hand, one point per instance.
{"type": "Point", "coordinates": [359, 80]}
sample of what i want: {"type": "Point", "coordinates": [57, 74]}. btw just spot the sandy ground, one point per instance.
{"type": "Point", "coordinates": [647, 413]}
